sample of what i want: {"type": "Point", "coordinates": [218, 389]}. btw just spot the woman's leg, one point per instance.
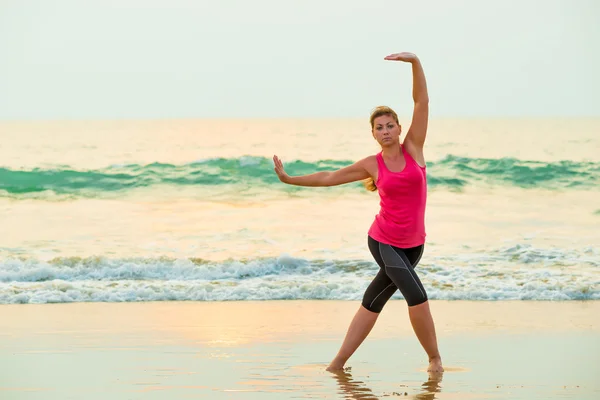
{"type": "Point", "coordinates": [359, 329]}
{"type": "Point", "coordinates": [422, 323]}
{"type": "Point", "coordinates": [375, 297]}
{"type": "Point", "coordinates": [400, 269]}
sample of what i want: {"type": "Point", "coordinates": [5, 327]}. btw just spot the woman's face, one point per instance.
{"type": "Point", "coordinates": [386, 131]}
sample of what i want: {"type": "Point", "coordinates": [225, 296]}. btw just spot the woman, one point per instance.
{"type": "Point", "coordinates": [397, 236]}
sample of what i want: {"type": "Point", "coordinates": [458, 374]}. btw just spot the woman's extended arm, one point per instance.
{"type": "Point", "coordinates": [351, 173]}
{"type": "Point", "coordinates": [418, 127]}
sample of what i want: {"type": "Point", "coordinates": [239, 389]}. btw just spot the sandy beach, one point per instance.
{"type": "Point", "coordinates": [279, 350]}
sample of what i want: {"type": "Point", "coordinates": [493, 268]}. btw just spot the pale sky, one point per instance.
{"type": "Point", "coordinates": [107, 59]}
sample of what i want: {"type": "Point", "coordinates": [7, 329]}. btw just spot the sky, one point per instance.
{"type": "Point", "coordinates": [149, 59]}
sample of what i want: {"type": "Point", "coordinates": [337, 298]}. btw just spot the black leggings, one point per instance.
{"type": "Point", "coordinates": [396, 272]}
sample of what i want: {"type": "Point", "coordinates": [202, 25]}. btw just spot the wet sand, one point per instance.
{"type": "Point", "coordinates": [279, 350]}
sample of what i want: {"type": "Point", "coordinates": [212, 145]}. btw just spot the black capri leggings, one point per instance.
{"type": "Point", "coordinates": [396, 272]}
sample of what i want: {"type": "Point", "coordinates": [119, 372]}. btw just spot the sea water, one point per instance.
{"type": "Point", "coordinates": [192, 210]}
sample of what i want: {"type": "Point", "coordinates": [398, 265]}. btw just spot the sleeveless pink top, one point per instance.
{"type": "Point", "coordinates": [401, 219]}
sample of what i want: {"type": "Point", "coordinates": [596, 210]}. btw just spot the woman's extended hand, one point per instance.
{"type": "Point", "coordinates": [405, 56]}
{"type": "Point", "coordinates": [283, 177]}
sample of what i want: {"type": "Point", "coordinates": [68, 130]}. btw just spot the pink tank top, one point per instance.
{"type": "Point", "coordinates": [401, 219]}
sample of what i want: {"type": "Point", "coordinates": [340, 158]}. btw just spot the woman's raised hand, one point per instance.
{"type": "Point", "coordinates": [405, 56]}
{"type": "Point", "coordinates": [283, 177]}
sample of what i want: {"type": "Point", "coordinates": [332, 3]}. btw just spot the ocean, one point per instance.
{"type": "Point", "coordinates": [175, 210]}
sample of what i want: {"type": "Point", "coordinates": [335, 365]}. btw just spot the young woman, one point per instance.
{"type": "Point", "coordinates": [397, 236]}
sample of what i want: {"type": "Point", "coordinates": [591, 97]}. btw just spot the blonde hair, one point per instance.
{"type": "Point", "coordinates": [379, 111]}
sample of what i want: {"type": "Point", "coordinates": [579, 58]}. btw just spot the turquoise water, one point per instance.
{"type": "Point", "coordinates": [192, 210]}
{"type": "Point", "coordinates": [452, 173]}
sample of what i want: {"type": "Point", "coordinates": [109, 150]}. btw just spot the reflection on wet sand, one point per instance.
{"type": "Point", "coordinates": [353, 389]}
{"type": "Point", "coordinates": [358, 390]}
{"type": "Point", "coordinates": [431, 387]}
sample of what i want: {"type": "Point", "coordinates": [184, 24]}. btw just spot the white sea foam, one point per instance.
{"type": "Point", "coordinates": [514, 273]}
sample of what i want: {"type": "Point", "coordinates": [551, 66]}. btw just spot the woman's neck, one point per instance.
{"type": "Point", "coordinates": [391, 152]}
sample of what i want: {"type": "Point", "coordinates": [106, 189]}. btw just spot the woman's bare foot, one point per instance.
{"type": "Point", "coordinates": [334, 368]}
{"type": "Point", "coordinates": [435, 365]}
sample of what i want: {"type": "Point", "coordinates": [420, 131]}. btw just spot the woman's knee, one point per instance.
{"type": "Point", "coordinates": [416, 299]}
{"type": "Point", "coordinates": [372, 304]}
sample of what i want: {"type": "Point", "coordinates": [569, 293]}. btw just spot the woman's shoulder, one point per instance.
{"type": "Point", "coordinates": [370, 164]}
{"type": "Point", "coordinates": [370, 160]}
